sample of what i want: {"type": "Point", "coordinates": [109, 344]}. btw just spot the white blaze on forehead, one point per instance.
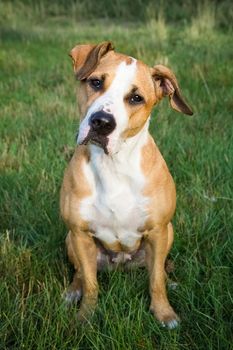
{"type": "Point", "coordinates": [124, 77]}
{"type": "Point", "coordinates": [114, 95]}
{"type": "Point", "coordinates": [112, 101]}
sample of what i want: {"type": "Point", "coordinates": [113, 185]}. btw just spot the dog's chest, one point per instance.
{"type": "Point", "coordinates": [117, 207]}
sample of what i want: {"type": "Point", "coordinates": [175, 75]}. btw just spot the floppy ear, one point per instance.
{"type": "Point", "coordinates": [166, 85]}
{"type": "Point", "coordinates": [86, 58]}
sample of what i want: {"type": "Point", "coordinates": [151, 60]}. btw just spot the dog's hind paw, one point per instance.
{"type": "Point", "coordinates": [172, 285]}
{"type": "Point", "coordinates": [72, 296]}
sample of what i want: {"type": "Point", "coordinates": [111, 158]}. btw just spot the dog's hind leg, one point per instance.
{"type": "Point", "coordinates": [170, 237]}
{"type": "Point", "coordinates": [169, 265]}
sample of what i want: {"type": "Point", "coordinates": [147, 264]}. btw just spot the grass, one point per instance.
{"type": "Point", "coordinates": [204, 22]}
{"type": "Point", "coordinates": [38, 125]}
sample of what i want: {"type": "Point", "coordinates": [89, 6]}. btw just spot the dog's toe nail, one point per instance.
{"type": "Point", "coordinates": [172, 324]}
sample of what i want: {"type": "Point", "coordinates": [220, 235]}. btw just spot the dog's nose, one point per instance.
{"type": "Point", "coordinates": [102, 123]}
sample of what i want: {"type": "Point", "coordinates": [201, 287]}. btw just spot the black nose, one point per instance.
{"type": "Point", "coordinates": [102, 123]}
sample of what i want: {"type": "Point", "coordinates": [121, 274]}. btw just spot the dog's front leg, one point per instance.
{"type": "Point", "coordinates": [157, 247]}
{"type": "Point", "coordinates": [85, 251]}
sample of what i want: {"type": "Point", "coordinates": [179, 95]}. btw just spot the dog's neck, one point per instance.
{"type": "Point", "coordinates": [128, 149]}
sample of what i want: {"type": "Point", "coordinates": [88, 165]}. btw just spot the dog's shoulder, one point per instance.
{"type": "Point", "coordinates": [75, 185]}
{"type": "Point", "coordinates": [160, 186]}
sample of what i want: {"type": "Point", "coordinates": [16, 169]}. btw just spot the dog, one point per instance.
{"type": "Point", "coordinates": [118, 197]}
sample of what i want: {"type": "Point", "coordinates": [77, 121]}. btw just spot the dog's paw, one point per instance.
{"type": "Point", "coordinates": [168, 319]}
{"type": "Point", "coordinates": [72, 296]}
{"type": "Point", "coordinates": [172, 285]}
{"type": "Point", "coordinates": [85, 312]}
{"type": "Point", "coordinates": [84, 316]}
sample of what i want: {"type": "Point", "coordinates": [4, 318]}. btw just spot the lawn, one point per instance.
{"type": "Point", "coordinates": [38, 123]}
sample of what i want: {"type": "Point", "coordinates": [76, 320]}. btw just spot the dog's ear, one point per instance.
{"type": "Point", "coordinates": [166, 85]}
{"type": "Point", "coordinates": [86, 58]}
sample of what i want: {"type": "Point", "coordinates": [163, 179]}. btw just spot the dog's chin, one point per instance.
{"type": "Point", "coordinates": [97, 140]}
{"type": "Point", "coordinates": [100, 145]}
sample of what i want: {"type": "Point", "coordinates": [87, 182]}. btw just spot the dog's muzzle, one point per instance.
{"type": "Point", "coordinates": [101, 125]}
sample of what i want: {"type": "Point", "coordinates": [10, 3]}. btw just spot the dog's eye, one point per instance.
{"type": "Point", "coordinates": [96, 84]}
{"type": "Point", "coordinates": [135, 99]}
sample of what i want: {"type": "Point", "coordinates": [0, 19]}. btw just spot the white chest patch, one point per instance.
{"type": "Point", "coordinates": [117, 208]}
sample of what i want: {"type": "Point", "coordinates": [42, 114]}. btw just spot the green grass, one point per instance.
{"type": "Point", "coordinates": [38, 123]}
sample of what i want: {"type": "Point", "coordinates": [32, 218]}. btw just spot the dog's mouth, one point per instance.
{"type": "Point", "coordinates": [98, 140]}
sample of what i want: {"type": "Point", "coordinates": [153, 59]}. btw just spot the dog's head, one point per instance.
{"type": "Point", "coordinates": [117, 93]}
